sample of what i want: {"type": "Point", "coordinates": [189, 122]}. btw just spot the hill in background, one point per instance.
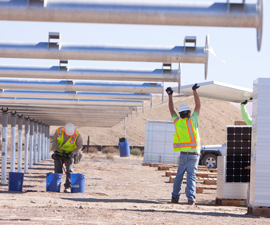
{"type": "Point", "coordinates": [215, 115]}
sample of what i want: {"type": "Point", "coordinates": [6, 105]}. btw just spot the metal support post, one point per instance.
{"type": "Point", "coordinates": [20, 123]}
{"type": "Point", "coordinates": [43, 142]}
{"type": "Point", "coordinates": [13, 142]}
{"type": "Point", "coordinates": [31, 143]}
{"type": "Point", "coordinates": [35, 141]}
{"type": "Point", "coordinates": [4, 145]}
{"type": "Point", "coordinates": [48, 141]}
{"type": "Point", "coordinates": [39, 141]}
{"type": "Point", "coordinates": [26, 144]}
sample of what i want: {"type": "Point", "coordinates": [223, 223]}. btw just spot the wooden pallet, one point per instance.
{"type": "Point", "coordinates": [259, 211]}
{"type": "Point", "coordinates": [200, 189]}
{"type": "Point", "coordinates": [231, 202]}
{"type": "Point", "coordinates": [146, 164]}
{"type": "Point", "coordinates": [210, 181]}
{"type": "Point", "coordinates": [165, 167]}
{"type": "Point", "coordinates": [155, 164]}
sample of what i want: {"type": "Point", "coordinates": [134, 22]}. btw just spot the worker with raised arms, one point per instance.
{"type": "Point", "coordinates": [187, 141]}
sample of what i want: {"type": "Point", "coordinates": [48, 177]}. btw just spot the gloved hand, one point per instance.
{"type": "Point", "coordinates": [169, 91]}
{"type": "Point", "coordinates": [244, 103]}
{"type": "Point", "coordinates": [195, 86]}
{"type": "Point", "coordinates": [56, 155]}
{"type": "Point", "coordinates": [68, 155]}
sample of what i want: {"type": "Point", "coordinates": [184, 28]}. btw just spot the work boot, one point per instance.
{"type": "Point", "coordinates": [191, 202]}
{"type": "Point", "coordinates": [67, 190]}
{"type": "Point", "coordinates": [174, 201]}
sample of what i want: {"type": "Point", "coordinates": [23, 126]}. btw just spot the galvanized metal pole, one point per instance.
{"type": "Point", "coordinates": [35, 141]}
{"type": "Point", "coordinates": [39, 140]}
{"type": "Point", "coordinates": [31, 143]}
{"type": "Point", "coordinates": [42, 142]}
{"type": "Point", "coordinates": [20, 138]}
{"type": "Point", "coordinates": [48, 141]}
{"type": "Point", "coordinates": [26, 144]}
{"type": "Point", "coordinates": [45, 141]}
{"type": "Point", "coordinates": [55, 72]}
{"type": "Point", "coordinates": [176, 13]}
{"type": "Point", "coordinates": [4, 145]}
{"type": "Point", "coordinates": [13, 141]}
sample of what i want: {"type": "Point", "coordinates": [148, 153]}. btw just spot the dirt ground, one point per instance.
{"type": "Point", "coordinates": [117, 191]}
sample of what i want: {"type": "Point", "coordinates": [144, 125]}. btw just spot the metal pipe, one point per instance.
{"type": "Point", "coordinates": [4, 146]}
{"type": "Point", "coordinates": [39, 140]}
{"type": "Point", "coordinates": [85, 86]}
{"type": "Point", "coordinates": [177, 13]}
{"type": "Point", "coordinates": [172, 54]}
{"type": "Point", "coordinates": [43, 143]}
{"type": "Point", "coordinates": [26, 143]}
{"type": "Point", "coordinates": [93, 109]}
{"type": "Point", "coordinates": [13, 141]}
{"type": "Point", "coordinates": [35, 141]}
{"type": "Point", "coordinates": [48, 142]}
{"type": "Point", "coordinates": [20, 124]}
{"type": "Point", "coordinates": [58, 102]}
{"type": "Point", "coordinates": [55, 72]}
{"type": "Point", "coordinates": [72, 95]}
{"type": "Point", "coordinates": [31, 149]}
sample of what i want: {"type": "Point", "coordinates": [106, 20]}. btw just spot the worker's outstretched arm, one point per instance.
{"type": "Point", "coordinates": [171, 106]}
{"type": "Point", "coordinates": [245, 113]}
{"type": "Point", "coordinates": [196, 99]}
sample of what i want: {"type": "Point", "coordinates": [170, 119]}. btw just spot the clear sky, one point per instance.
{"type": "Point", "coordinates": [237, 46]}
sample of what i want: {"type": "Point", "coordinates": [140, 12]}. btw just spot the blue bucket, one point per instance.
{"type": "Point", "coordinates": [53, 182]}
{"type": "Point", "coordinates": [124, 147]}
{"type": "Point", "coordinates": [77, 182]}
{"type": "Point", "coordinates": [15, 181]}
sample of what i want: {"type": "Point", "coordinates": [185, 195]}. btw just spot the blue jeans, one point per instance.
{"type": "Point", "coordinates": [187, 163]}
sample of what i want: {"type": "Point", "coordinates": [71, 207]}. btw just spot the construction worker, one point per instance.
{"type": "Point", "coordinates": [245, 113]}
{"type": "Point", "coordinates": [187, 141]}
{"type": "Point", "coordinates": [66, 144]}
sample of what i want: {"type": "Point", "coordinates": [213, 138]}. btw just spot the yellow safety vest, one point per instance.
{"type": "Point", "coordinates": [70, 145]}
{"type": "Point", "coordinates": [186, 138]}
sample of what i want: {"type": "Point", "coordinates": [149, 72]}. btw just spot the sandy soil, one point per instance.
{"type": "Point", "coordinates": [117, 191]}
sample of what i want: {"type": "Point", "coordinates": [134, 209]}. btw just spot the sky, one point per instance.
{"type": "Point", "coordinates": [236, 46]}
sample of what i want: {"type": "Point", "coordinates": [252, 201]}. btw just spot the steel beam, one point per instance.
{"type": "Point", "coordinates": [177, 13]}
{"type": "Point", "coordinates": [13, 141]}
{"type": "Point", "coordinates": [20, 123]}
{"type": "Point", "coordinates": [26, 143]}
{"type": "Point", "coordinates": [76, 95]}
{"type": "Point", "coordinates": [39, 140]}
{"type": "Point", "coordinates": [4, 146]}
{"type": "Point", "coordinates": [35, 141]}
{"type": "Point", "coordinates": [55, 72]}
{"type": "Point", "coordinates": [172, 54]}
{"type": "Point", "coordinates": [85, 86]}
{"type": "Point", "coordinates": [57, 102]}
{"type": "Point", "coordinates": [31, 143]}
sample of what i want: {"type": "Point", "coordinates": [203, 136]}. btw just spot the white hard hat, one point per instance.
{"type": "Point", "coordinates": [183, 107]}
{"type": "Point", "coordinates": [69, 129]}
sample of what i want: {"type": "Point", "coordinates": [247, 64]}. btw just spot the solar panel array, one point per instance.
{"type": "Point", "coordinates": [238, 153]}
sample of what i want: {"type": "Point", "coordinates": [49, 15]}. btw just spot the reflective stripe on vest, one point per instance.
{"type": "Point", "coordinates": [70, 145]}
{"type": "Point", "coordinates": [192, 144]}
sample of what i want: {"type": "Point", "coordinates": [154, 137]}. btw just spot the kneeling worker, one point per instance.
{"type": "Point", "coordinates": [187, 141]}
{"type": "Point", "coordinates": [66, 143]}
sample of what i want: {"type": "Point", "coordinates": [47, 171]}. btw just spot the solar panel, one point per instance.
{"type": "Point", "coordinates": [218, 90]}
{"type": "Point", "coordinates": [238, 154]}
